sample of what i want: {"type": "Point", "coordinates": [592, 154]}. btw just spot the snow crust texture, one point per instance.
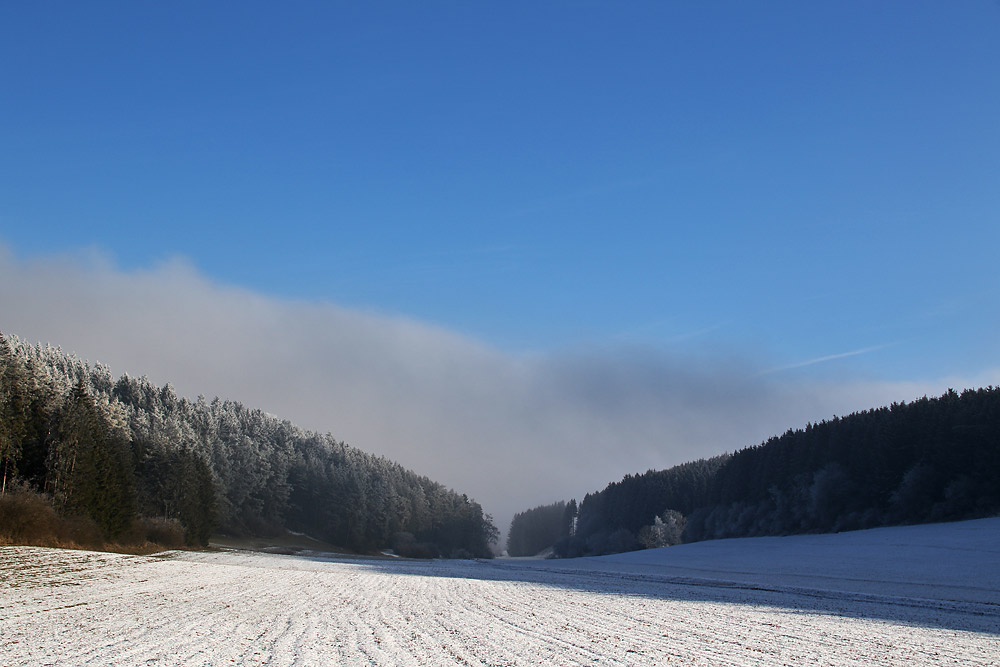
{"type": "Point", "coordinates": [722, 603]}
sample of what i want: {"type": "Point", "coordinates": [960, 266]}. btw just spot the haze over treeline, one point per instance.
{"type": "Point", "coordinates": [114, 450]}
{"type": "Point", "coordinates": [460, 411]}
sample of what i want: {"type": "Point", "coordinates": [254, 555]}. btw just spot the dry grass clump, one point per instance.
{"type": "Point", "coordinates": [28, 518]}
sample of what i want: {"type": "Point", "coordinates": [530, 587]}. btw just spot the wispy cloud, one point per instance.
{"type": "Point", "coordinates": [829, 357]}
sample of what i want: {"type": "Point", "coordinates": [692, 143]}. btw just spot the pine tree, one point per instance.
{"type": "Point", "coordinates": [90, 468]}
{"type": "Point", "coordinates": [14, 402]}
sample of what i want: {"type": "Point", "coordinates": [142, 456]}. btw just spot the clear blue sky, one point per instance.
{"type": "Point", "coordinates": [799, 180]}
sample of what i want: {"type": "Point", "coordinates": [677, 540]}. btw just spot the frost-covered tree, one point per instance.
{"type": "Point", "coordinates": [665, 531]}
{"type": "Point", "coordinates": [93, 442]}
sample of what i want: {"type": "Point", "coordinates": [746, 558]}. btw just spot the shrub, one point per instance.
{"type": "Point", "coordinates": [27, 517]}
{"type": "Point", "coordinates": [165, 532]}
{"type": "Point", "coordinates": [79, 531]}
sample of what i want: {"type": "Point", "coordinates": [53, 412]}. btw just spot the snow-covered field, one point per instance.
{"type": "Point", "coordinates": [925, 595]}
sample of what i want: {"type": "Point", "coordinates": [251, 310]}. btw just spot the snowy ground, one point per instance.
{"type": "Point", "coordinates": [927, 595]}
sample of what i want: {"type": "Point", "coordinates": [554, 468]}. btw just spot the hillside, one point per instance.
{"type": "Point", "coordinates": [110, 452]}
{"type": "Point", "coordinates": [931, 460]}
{"type": "Point", "coordinates": [953, 562]}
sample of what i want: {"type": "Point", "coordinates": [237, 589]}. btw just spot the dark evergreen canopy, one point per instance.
{"type": "Point", "coordinates": [935, 459]}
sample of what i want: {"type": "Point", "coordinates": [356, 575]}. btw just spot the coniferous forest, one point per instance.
{"type": "Point", "coordinates": [535, 530]}
{"type": "Point", "coordinates": [127, 460]}
{"type": "Point", "coordinates": [934, 459]}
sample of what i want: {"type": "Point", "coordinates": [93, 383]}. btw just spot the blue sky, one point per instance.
{"type": "Point", "coordinates": [814, 178]}
{"type": "Point", "coordinates": [810, 188]}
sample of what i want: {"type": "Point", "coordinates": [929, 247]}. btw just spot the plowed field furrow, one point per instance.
{"type": "Point", "coordinates": [191, 609]}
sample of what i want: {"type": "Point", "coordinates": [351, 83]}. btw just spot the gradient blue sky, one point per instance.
{"type": "Point", "coordinates": [808, 179]}
{"type": "Point", "coordinates": [688, 210]}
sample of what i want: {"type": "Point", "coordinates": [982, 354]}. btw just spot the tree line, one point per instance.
{"type": "Point", "coordinates": [116, 450]}
{"type": "Point", "coordinates": [535, 530]}
{"type": "Point", "coordinates": [933, 459]}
